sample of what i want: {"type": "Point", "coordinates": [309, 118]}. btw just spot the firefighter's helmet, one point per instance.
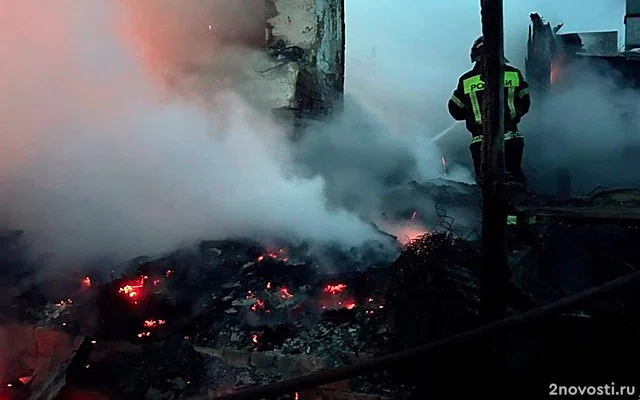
{"type": "Point", "coordinates": [477, 49]}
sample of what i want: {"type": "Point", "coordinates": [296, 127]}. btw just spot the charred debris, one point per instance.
{"type": "Point", "coordinates": [232, 314]}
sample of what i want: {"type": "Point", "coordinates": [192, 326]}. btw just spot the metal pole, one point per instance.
{"type": "Point", "coordinates": [495, 267]}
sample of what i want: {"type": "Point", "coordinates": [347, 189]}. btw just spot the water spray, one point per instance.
{"type": "Point", "coordinates": [445, 132]}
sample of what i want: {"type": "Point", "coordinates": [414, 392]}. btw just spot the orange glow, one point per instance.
{"type": "Point", "coordinates": [407, 233]}
{"type": "Point", "coordinates": [554, 74]}
{"type": "Point", "coordinates": [333, 289]}
{"type": "Point", "coordinates": [285, 293]}
{"type": "Point", "coordinates": [157, 31]}
{"type": "Point", "coordinates": [133, 288]}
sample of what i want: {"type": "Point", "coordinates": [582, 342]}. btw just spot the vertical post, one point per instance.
{"type": "Point", "coordinates": [495, 267]}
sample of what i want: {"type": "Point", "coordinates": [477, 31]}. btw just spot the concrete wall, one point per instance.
{"type": "Point", "coordinates": [632, 25]}
{"type": "Point", "coordinates": [316, 27]}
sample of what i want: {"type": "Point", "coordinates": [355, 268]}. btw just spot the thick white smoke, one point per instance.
{"type": "Point", "coordinates": [404, 58]}
{"type": "Point", "coordinates": [403, 61]}
{"type": "Point", "coordinates": [99, 157]}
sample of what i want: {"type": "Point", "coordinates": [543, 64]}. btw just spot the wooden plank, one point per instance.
{"type": "Point", "coordinates": [624, 216]}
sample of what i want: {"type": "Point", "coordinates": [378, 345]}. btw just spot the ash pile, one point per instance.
{"type": "Point", "coordinates": [229, 313]}
{"type": "Point", "coordinates": [233, 314]}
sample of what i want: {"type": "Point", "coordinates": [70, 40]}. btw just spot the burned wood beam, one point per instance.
{"type": "Point", "coordinates": [495, 265]}
{"type": "Point", "coordinates": [626, 217]}
{"type": "Point", "coordinates": [377, 364]}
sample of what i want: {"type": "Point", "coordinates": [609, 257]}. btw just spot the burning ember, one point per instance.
{"type": "Point", "coordinates": [350, 305]}
{"type": "Point", "coordinates": [333, 289]}
{"type": "Point", "coordinates": [133, 289]}
{"type": "Point", "coordinates": [274, 255]}
{"type": "Point", "coordinates": [337, 297]}
{"type": "Point", "coordinates": [285, 293]}
{"type": "Point", "coordinates": [152, 323]}
{"type": "Point", "coordinates": [259, 305]}
{"type": "Point", "coordinates": [64, 303]}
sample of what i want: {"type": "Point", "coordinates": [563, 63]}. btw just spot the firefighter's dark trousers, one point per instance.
{"type": "Point", "coordinates": [513, 149]}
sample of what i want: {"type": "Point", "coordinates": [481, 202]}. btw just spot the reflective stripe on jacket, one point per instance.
{"type": "Point", "coordinates": [466, 101]}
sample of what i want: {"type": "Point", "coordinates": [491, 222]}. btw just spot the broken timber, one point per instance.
{"type": "Point", "coordinates": [615, 207]}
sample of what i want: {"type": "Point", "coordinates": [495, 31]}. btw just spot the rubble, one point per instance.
{"type": "Point", "coordinates": [233, 314]}
{"type": "Point", "coordinates": [36, 362]}
{"type": "Point", "coordinates": [264, 312]}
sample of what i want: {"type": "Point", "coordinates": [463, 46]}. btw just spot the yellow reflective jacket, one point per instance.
{"type": "Point", "coordinates": [466, 101]}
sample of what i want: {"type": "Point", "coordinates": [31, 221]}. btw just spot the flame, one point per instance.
{"type": "Point", "coordinates": [254, 338]}
{"type": "Point", "coordinates": [86, 281]}
{"type": "Point", "coordinates": [268, 285]}
{"type": "Point", "coordinates": [133, 288]}
{"type": "Point", "coordinates": [350, 305]}
{"type": "Point", "coordinates": [334, 289]}
{"type": "Point", "coordinates": [144, 334]}
{"type": "Point", "coordinates": [555, 69]}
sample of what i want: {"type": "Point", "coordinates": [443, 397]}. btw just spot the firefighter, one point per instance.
{"type": "Point", "coordinates": [466, 105]}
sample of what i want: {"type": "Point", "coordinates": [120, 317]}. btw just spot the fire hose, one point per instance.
{"type": "Point", "coordinates": [369, 366]}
